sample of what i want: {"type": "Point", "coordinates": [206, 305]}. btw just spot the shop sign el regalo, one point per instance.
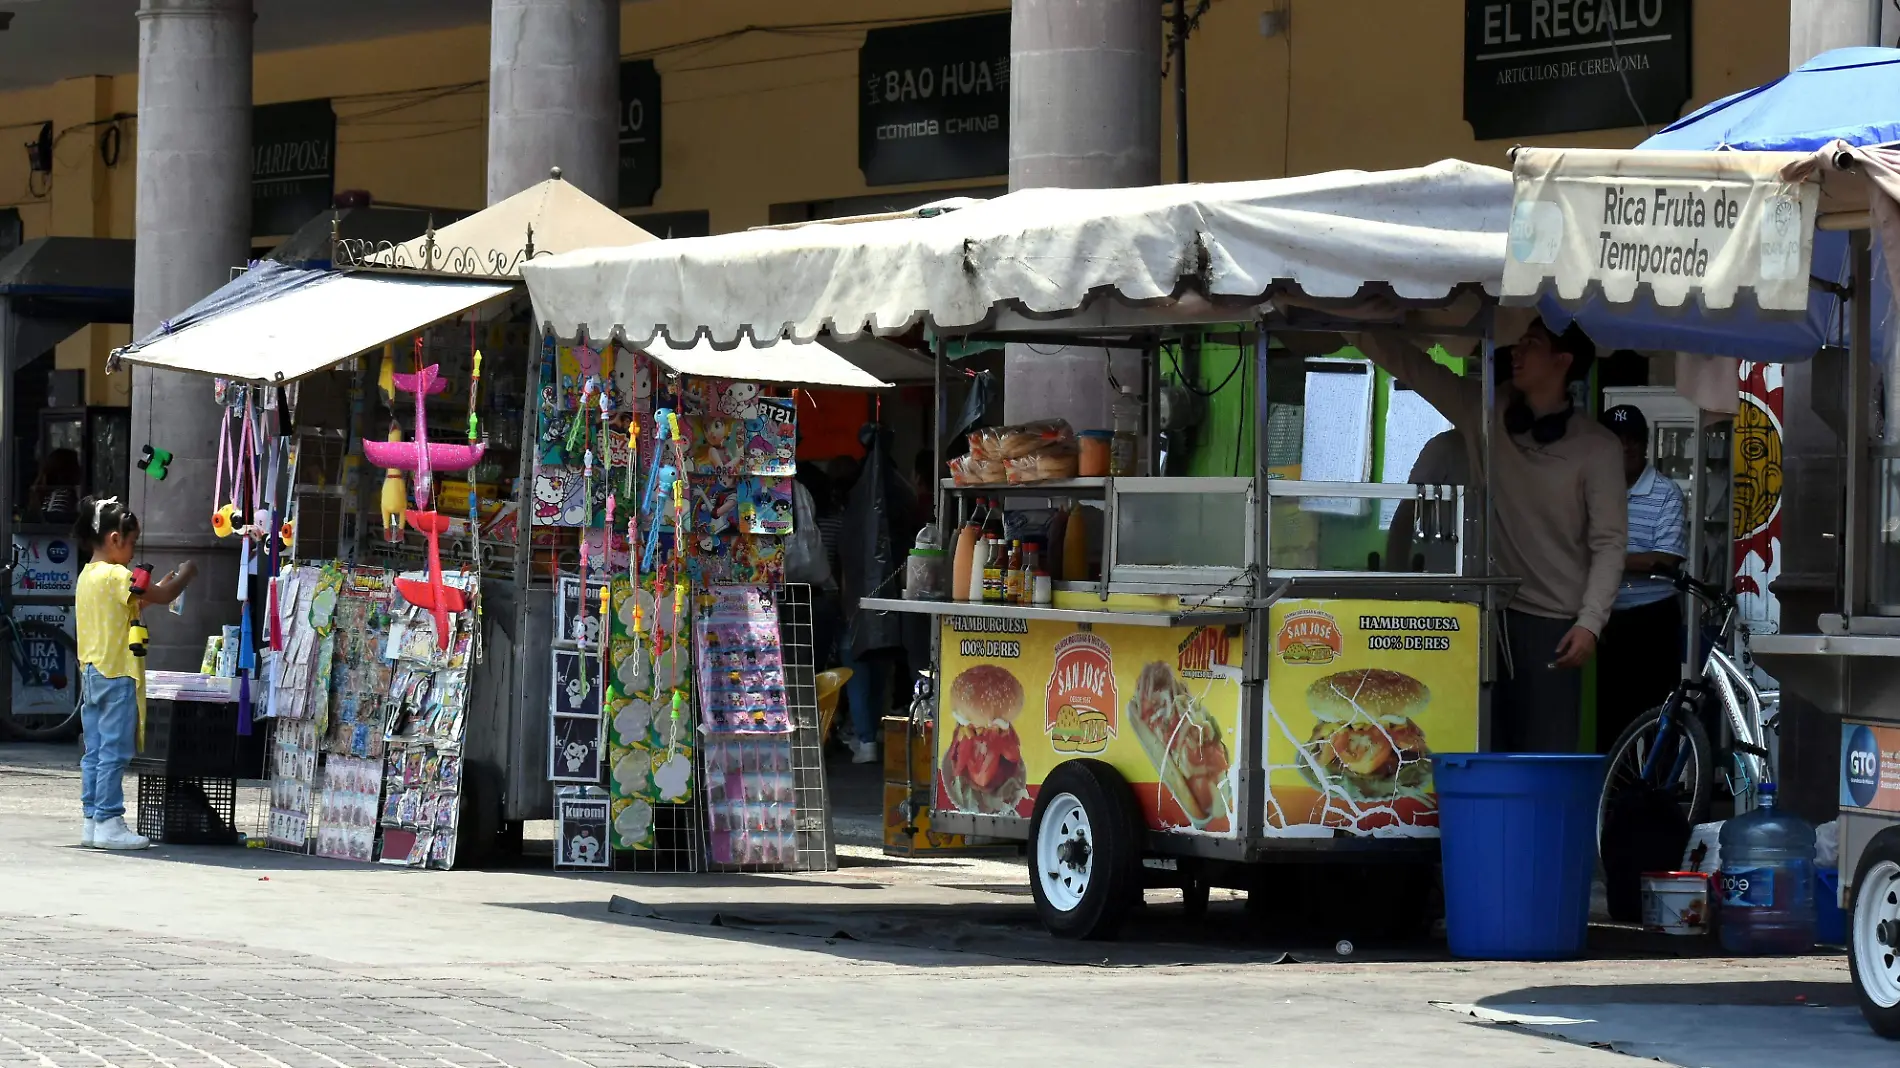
{"type": "Point", "coordinates": [934, 101]}
{"type": "Point", "coordinates": [1664, 237]}
{"type": "Point", "coordinates": [293, 165]}
{"type": "Point", "coordinates": [1559, 66]}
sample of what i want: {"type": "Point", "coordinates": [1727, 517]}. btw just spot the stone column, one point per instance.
{"type": "Point", "coordinates": [1084, 113]}
{"type": "Point", "coordinates": [1817, 26]}
{"type": "Point", "coordinates": [193, 227]}
{"type": "Point", "coordinates": [553, 95]}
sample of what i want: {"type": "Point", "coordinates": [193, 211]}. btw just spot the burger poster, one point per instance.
{"type": "Point", "coordinates": [1360, 694]}
{"type": "Point", "coordinates": [1160, 705]}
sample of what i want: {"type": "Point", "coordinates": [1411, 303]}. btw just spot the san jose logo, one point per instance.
{"type": "Point", "coordinates": [1309, 637]}
{"type": "Point", "coordinates": [1081, 701]}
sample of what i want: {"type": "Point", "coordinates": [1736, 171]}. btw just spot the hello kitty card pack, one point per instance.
{"type": "Point", "coordinates": [559, 483]}
{"type": "Point", "coordinates": [751, 802]}
{"type": "Point", "coordinates": [651, 738]}
{"type": "Point", "coordinates": [741, 664]}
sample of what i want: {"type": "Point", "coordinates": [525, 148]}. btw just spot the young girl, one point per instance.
{"type": "Point", "coordinates": [114, 672]}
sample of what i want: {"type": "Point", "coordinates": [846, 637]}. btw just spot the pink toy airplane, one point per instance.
{"type": "Point", "coordinates": [424, 458]}
{"type": "Point", "coordinates": [434, 595]}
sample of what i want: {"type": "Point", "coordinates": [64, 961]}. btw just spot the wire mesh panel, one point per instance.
{"type": "Point", "coordinates": [679, 843]}
{"type": "Point", "coordinates": [816, 851]}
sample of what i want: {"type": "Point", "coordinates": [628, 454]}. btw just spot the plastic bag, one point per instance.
{"type": "Point", "coordinates": [1827, 845]}
{"type": "Point", "coordinates": [974, 470]}
{"type": "Point", "coordinates": [1049, 460]}
{"type": "Point", "coordinates": [805, 559]}
{"type": "Point", "coordinates": [1704, 851]}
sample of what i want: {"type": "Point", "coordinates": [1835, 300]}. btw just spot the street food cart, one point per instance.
{"type": "Point", "coordinates": [1233, 678]}
{"type": "Point", "coordinates": [1756, 253]}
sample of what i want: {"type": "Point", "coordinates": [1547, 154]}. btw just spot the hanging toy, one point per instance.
{"type": "Point", "coordinates": [224, 521]}
{"type": "Point", "coordinates": [394, 494]}
{"type": "Point", "coordinates": [386, 376]}
{"type": "Point", "coordinates": [587, 483]}
{"type": "Point", "coordinates": [424, 457]}
{"type": "Point", "coordinates": [474, 494]}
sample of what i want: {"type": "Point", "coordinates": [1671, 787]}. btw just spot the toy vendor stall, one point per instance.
{"type": "Point", "coordinates": [1218, 670]}
{"type": "Point", "coordinates": [1774, 256]}
{"type": "Point", "coordinates": [373, 463]}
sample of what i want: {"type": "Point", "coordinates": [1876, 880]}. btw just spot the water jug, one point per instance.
{"type": "Point", "coordinates": [1767, 881]}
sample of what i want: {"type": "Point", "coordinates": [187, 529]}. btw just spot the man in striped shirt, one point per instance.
{"type": "Point", "coordinates": [1641, 655]}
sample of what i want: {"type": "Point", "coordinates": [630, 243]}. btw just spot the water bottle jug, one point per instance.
{"type": "Point", "coordinates": [1767, 881]}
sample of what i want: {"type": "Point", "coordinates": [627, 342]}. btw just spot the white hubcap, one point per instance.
{"type": "Point", "coordinates": [1877, 933]}
{"type": "Point", "coordinates": [1065, 852]}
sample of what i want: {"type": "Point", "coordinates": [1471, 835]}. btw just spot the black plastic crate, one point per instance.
{"type": "Point", "coordinates": [200, 738]}
{"type": "Point", "coordinates": [188, 810]}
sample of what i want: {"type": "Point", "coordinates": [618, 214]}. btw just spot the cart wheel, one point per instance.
{"type": "Point", "coordinates": [1873, 942]}
{"type": "Point", "coordinates": [1085, 851]}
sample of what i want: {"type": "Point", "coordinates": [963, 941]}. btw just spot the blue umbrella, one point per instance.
{"type": "Point", "coordinates": [1849, 94]}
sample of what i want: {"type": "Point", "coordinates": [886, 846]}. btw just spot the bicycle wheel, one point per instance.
{"type": "Point", "coordinates": [1685, 749]}
{"type": "Point", "coordinates": [52, 689]}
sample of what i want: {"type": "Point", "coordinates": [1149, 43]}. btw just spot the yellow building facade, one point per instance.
{"type": "Point", "coordinates": [760, 108]}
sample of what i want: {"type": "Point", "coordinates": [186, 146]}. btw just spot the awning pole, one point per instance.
{"type": "Point", "coordinates": [1854, 538]}
{"type": "Point", "coordinates": [1489, 617]}
{"type": "Point", "coordinates": [945, 535]}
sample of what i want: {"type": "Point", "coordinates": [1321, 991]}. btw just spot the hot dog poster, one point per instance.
{"type": "Point", "coordinates": [1360, 694]}
{"type": "Point", "coordinates": [1160, 705]}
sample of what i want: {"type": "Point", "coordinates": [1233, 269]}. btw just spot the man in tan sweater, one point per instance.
{"type": "Point", "coordinates": [1561, 522]}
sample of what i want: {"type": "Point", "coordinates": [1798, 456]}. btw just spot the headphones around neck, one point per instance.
{"type": "Point", "coordinates": [1543, 429]}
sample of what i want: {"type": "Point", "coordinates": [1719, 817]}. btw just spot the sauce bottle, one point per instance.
{"type": "Point", "coordinates": [966, 549]}
{"type": "Point", "coordinates": [1013, 574]}
{"type": "Point", "coordinates": [1026, 575]}
{"type": "Point", "coordinates": [1075, 549]}
{"type": "Point", "coordinates": [993, 571]}
{"type": "Point", "coordinates": [977, 588]}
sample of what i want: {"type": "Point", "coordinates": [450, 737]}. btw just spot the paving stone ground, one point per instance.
{"type": "Point", "coordinates": [74, 997]}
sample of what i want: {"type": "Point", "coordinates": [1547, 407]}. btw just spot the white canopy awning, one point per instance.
{"type": "Point", "coordinates": [312, 327]}
{"type": "Point", "coordinates": [1421, 235]}
{"type": "Point", "coordinates": [1712, 227]}
{"type": "Point", "coordinates": [785, 365]}
{"type": "Point", "coordinates": [552, 215]}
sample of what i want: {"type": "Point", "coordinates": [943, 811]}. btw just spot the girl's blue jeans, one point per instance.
{"type": "Point", "coordinates": [109, 712]}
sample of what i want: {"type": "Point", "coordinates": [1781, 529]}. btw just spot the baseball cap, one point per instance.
{"type": "Point", "coordinates": [1626, 421]}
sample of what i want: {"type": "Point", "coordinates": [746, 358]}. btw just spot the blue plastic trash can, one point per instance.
{"type": "Point", "coordinates": [1519, 838]}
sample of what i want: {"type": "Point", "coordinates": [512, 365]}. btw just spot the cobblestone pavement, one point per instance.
{"type": "Point", "coordinates": [74, 997]}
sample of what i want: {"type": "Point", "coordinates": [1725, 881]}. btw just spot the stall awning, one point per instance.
{"type": "Point", "coordinates": [784, 364]}
{"type": "Point", "coordinates": [553, 217]}
{"type": "Point", "coordinates": [1421, 234]}
{"type": "Point", "coordinates": [301, 322]}
{"type": "Point", "coordinates": [1712, 228]}
{"type": "Point", "coordinates": [1729, 253]}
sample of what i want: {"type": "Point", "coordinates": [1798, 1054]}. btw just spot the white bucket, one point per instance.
{"type": "Point", "coordinates": [1676, 902]}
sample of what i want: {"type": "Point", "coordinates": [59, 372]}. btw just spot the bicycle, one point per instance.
{"type": "Point", "coordinates": [1668, 751]}
{"type": "Point", "coordinates": [44, 657]}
